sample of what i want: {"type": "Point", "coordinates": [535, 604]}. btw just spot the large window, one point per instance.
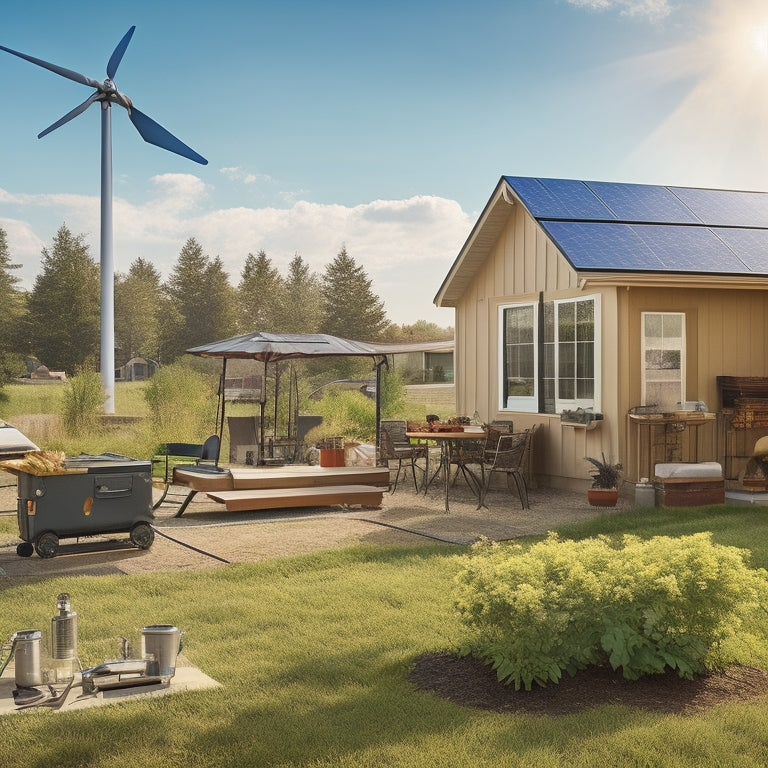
{"type": "Point", "coordinates": [550, 355]}
{"type": "Point", "coordinates": [663, 359]}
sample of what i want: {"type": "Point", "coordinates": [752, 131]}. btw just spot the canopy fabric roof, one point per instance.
{"type": "Point", "coordinates": [270, 347]}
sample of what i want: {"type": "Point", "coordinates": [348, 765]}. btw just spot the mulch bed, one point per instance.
{"type": "Point", "coordinates": [470, 682]}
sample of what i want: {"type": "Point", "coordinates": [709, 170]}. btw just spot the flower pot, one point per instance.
{"type": "Point", "coordinates": [602, 497]}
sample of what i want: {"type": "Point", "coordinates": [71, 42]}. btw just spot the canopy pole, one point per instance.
{"type": "Point", "coordinates": [222, 406]}
{"type": "Point", "coordinates": [378, 364]}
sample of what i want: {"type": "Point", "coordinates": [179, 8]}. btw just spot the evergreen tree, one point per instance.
{"type": "Point", "coordinates": [137, 311]}
{"type": "Point", "coordinates": [260, 295]}
{"type": "Point", "coordinates": [301, 311]}
{"type": "Point", "coordinates": [200, 305]}
{"type": "Point", "coordinates": [64, 304]}
{"type": "Point", "coordinates": [350, 308]}
{"type": "Point", "coordinates": [13, 303]}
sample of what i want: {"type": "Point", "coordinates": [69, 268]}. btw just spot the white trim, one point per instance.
{"type": "Point", "coordinates": [683, 355]}
{"type": "Point", "coordinates": [530, 403]}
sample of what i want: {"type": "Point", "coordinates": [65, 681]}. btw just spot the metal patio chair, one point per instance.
{"type": "Point", "coordinates": [389, 450]}
{"type": "Point", "coordinates": [509, 457]}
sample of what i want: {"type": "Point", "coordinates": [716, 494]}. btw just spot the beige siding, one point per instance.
{"type": "Point", "coordinates": [523, 263]}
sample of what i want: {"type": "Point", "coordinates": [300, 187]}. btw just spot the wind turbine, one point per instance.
{"type": "Point", "coordinates": [106, 94]}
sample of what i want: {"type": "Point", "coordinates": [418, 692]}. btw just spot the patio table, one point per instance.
{"type": "Point", "coordinates": [444, 440]}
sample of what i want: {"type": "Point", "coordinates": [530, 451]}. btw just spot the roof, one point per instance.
{"type": "Point", "coordinates": [286, 346]}
{"type": "Point", "coordinates": [609, 227]}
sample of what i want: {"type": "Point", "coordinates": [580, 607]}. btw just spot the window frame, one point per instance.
{"type": "Point", "coordinates": [530, 404]}
{"type": "Point", "coordinates": [643, 348]}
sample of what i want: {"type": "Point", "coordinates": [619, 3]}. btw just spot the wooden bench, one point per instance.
{"type": "Point", "coordinates": [281, 498]}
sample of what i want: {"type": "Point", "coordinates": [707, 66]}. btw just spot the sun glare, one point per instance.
{"type": "Point", "coordinates": [759, 38]}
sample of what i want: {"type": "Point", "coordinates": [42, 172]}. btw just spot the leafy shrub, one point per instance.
{"type": "Point", "coordinates": [182, 403]}
{"type": "Point", "coordinates": [82, 401]}
{"type": "Point", "coordinates": [346, 414]}
{"type": "Point", "coordinates": [643, 606]}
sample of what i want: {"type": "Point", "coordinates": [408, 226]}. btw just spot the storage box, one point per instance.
{"type": "Point", "coordinates": [689, 491]}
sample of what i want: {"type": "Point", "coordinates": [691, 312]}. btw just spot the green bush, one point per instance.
{"type": "Point", "coordinates": [182, 403]}
{"type": "Point", "coordinates": [82, 401]}
{"type": "Point", "coordinates": [345, 413]}
{"type": "Point", "coordinates": [642, 606]}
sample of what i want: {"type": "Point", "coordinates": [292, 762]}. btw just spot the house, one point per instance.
{"type": "Point", "coordinates": [607, 313]}
{"type": "Point", "coordinates": [136, 369]}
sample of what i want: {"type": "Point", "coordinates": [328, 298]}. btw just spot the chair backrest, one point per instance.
{"type": "Point", "coordinates": [211, 449]}
{"type": "Point", "coordinates": [191, 450]}
{"type": "Point", "coordinates": [511, 451]}
{"type": "Point", "coordinates": [396, 428]}
{"type": "Point", "coordinates": [502, 426]}
{"type": "Point", "coordinates": [386, 446]}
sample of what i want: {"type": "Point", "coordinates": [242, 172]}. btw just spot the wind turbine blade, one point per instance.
{"type": "Point", "coordinates": [154, 133]}
{"type": "Point", "coordinates": [70, 115]}
{"type": "Point", "coordinates": [117, 55]}
{"type": "Point", "coordinates": [68, 73]}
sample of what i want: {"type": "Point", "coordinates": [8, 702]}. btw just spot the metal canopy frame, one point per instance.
{"type": "Point", "coordinates": [274, 347]}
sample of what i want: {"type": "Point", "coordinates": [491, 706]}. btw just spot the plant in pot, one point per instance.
{"type": "Point", "coordinates": [605, 482]}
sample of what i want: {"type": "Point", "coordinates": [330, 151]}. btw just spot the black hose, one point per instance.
{"type": "Point", "coordinates": [188, 546]}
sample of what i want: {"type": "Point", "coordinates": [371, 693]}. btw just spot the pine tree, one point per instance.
{"type": "Point", "coordinates": [200, 306]}
{"type": "Point", "coordinates": [137, 311]}
{"type": "Point", "coordinates": [301, 311]}
{"type": "Point", "coordinates": [13, 303]}
{"type": "Point", "coordinates": [350, 308]}
{"type": "Point", "coordinates": [260, 295]}
{"type": "Point", "coordinates": [64, 304]}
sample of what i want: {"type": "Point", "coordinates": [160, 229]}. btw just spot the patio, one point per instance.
{"type": "Point", "coordinates": [208, 536]}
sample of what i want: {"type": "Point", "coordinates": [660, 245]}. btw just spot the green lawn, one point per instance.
{"type": "Point", "coordinates": [313, 654]}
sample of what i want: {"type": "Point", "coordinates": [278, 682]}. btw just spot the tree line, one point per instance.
{"type": "Point", "coordinates": [58, 321]}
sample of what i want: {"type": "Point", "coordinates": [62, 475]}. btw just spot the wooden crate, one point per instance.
{"type": "Point", "coordinates": [689, 491]}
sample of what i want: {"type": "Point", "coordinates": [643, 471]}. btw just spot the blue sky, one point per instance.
{"type": "Point", "coordinates": [380, 126]}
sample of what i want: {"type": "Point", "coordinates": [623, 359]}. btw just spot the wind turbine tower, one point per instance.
{"type": "Point", "coordinates": [105, 95]}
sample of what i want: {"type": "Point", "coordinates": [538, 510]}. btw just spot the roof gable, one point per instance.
{"type": "Point", "coordinates": [618, 228]}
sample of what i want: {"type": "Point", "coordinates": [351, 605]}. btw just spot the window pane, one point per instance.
{"type": "Point", "coordinates": [519, 352]}
{"type": "Point", "coordinates": [663, 358]}
{"type": "Point", "coordinates": [566, 319]}
{"type": "Point", "coordinates": [566, 389]}
{"type": "Point", "coordinates": [566, 360]}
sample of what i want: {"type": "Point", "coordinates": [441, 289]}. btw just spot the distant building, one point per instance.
{"type": "Point", "coordinates": [136, 369]}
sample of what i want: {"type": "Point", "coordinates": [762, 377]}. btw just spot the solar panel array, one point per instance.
{"type": "Point", "coordinates": [638, 227]}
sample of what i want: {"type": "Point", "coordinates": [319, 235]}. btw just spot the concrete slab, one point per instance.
{"type": "Point", "coordinates": [187, 678]}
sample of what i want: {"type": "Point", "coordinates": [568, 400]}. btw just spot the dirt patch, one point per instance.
{"type": "Point", "coordinates": [470, 682]}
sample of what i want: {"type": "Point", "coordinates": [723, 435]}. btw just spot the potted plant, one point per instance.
{"type": "Point", "coordinates": [605, 482]}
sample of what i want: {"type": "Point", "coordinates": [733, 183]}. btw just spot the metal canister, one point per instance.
{"type": "Point", "coordinates": [64, 638]}
{"type": "Point", "coordinates": [160, 644]}
{"type": "Point", "coordinates": [27, 658]}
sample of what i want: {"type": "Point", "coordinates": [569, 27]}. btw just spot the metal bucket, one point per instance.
{"type": "Point", "coordinates": [160, 644]}
{"type": "Point", "coordinates": [27, 658]}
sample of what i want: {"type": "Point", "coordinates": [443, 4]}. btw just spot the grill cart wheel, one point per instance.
{"type": "Point", "coordinates": [25, 549]}
{"type": "Point", "coordinates": [47, 544]}
{"type": "Point", "coordinates": [142, 535]}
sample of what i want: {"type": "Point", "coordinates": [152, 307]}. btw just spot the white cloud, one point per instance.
{"type": "Point", "coordinates": [405, 246]}
{"type": "Point", "coordinates": [240, 174]}
{"type": "Point", "coordinates": [653, 9]}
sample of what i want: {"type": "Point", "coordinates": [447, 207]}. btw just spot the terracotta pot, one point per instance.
{"type": "Point", "coordinates": [602, 497]}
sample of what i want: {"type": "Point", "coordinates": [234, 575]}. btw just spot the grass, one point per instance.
{"type": "Point", "coordinates": [313, 653]}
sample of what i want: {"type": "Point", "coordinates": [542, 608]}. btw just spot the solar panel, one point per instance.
{"type": "Point", "coordinates": [591, 245]}
{"type": "Point", "coordinates": [642, 202]}
{"type": "Point", "coordinates": [646, 247]}
{"type": "Point", "coordinates": [558, 198]}
{"type": "Point", "coordinates": [723, 208]}
{"type": "Point", "coordinates": [750, 245]}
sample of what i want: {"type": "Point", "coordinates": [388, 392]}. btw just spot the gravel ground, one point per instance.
{"type": "Point", "coordinates": [207, 536]}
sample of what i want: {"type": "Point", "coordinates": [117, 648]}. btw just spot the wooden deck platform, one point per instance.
{"type": "Point", "coordinates": [255, 488]}
{"type": "Point", "coordinates": [283, 498]}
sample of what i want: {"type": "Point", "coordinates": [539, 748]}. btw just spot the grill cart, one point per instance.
{"type": "Point", "coordinates": [82, 496]}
